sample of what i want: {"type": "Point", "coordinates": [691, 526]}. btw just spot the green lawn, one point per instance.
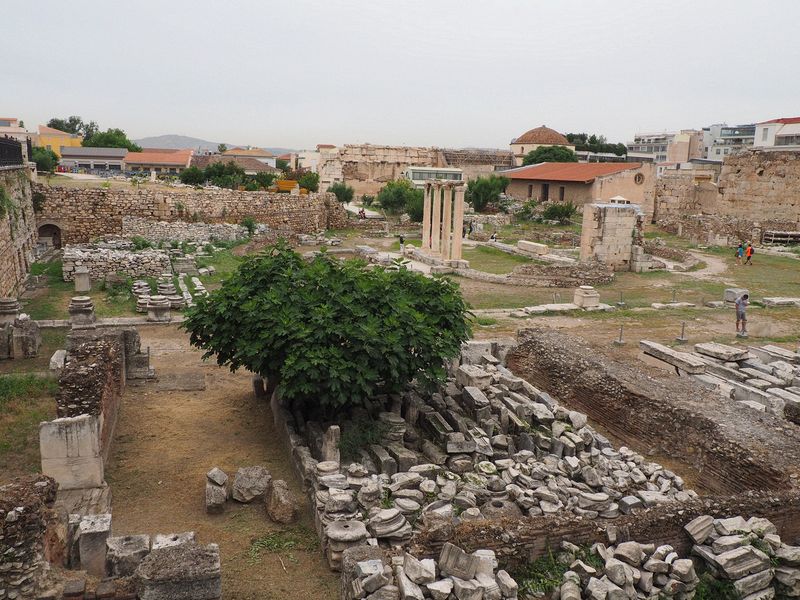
{"type": "Point", "coordinates": [492, 260]}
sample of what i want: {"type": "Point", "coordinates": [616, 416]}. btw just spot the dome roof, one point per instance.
{"type": "Point", "coordinates": [542, 135]}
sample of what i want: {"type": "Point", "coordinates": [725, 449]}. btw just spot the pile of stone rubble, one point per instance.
{"type": "Point", "coordinates": [749, 553]}
{"type": "Point", "coordinates": [455, 574]}
{"type": "Point", "coordinates": [766, 378]}
{"type": "Point", "coordinates": [250, 484]}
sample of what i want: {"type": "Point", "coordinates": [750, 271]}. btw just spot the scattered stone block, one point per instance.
{"type": "Point", "coordinates": [164, 540]}
{"type": "Point", "coordinates": [251, 483]}
{"type": "Point", "coordinates": [125, 553]}
{"type": "Point", "coordinates": [216, 495]}
{"type": "Point", "coordinates": [184, 572]}
{"type": "Point", "coordinates": [281, 505]}
{"type": "Point", "coordinates": [94, 531]}
{"type": "Point", "coordinates": [455, 562]}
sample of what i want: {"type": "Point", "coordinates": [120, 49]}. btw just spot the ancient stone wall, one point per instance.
{"type": "Point", "coordinates": [85, 214]}
{"type": "Point", "coordinates": [608, 233]}
{"type": "Point", "coordinates": [17, 230]}
{"type": "Point", "coordinates": [180, 231]}
{"type": "Point", "coordinates": [757, 189]}
{"type": "Point", "coordinates": [729, 450]}
{"type": "Point", "coordinates": [23, 522]}
{"type": "Point", "coordinates": [105, 261]}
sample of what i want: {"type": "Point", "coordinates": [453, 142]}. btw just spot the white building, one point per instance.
{"type": "Point", "coordinates": [778, 134]}
{"type": "Point", "coordinates": [419, 176]}
{"type": "Point", "coordinates": [720, 140]}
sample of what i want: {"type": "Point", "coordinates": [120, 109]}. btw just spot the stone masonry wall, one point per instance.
{"type": "Point", "coordinates": [105, 261]}
{"type": "Point", "coordinates": [608, 233]}
{"type": "Point", "coordinates": [17, 231]}
{"type": "Point", "coordinates": [85, 214]}
{"type": "Point", "coordinates": [180, 231]}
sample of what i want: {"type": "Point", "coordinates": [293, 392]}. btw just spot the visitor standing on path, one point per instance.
{"type": "Point", "coordinates": [741, 315]}
{"type": "Point", "coordinates": [749, 254]}
{"type": "Point", "coordinates": [739, 253]}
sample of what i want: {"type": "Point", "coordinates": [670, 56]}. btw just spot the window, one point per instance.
{"type": "Point", "coordinates": [530, 191]}
{"type": "Point", "coordinates": [764, 134]}
{"type": "Point", "coordinates": [561, 191]}
{"type": "Point", "coordinates": [522, 150]}
{"type": "Point", "coordinates": [545, 192]}
{"type": "Point", "coordinates": [717, 151]}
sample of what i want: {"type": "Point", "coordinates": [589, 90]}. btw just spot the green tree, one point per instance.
{"type": "Point", "coordinates": [561, 212]}
{"type": "Point", "coordinates": [74, 124]}
{"type": "Point", "coordinates": [282, 164]}
{"type": "Point", "coordinates": [111, 138]}
{"type": "Point", "coordinates": [330, 334]}
{"type": "Point", "coordinates": [264, 180]}
{"type": "Point", "coordinates": [222, 148]}
{"type": "Point", "coordinates": [550, 154]}
{"type": "Point", "coordinates": [224, 174]}
{"type": "Point", "coordinates": [396, 195]}
{"type": "Point", "coordinates": [485, 190]}
{"type": "Point", "coordinates": [192, 176]}
{"type": "Point", "coordinates": [46, 160]}
{"type": "Point", "coordinates": [415, 206]}
{"type": "Point", "coordinates": [342, 191]}
{"type": "Point", "coordinates": [310, 181]}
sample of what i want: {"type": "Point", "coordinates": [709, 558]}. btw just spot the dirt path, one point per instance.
{"type": "Point", "coordinates": [714, 266]}
{"type": "Point", "coordinates": [166, 440]}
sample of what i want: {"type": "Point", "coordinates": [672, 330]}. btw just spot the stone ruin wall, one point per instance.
{"type": "Point", "coordinates": [180, 231]}
{"type": "Point", "coordinates": [17, 231]}
{"type": "Point", "coordinates": [85, 214]}
{"type": "Point", "coordinates": [24, 517]}
{"type": "Point", "coordinates": [757, 191]}
{"type": "Point", "coordinates": [608, 234]}
{"type": "Point", "coordinates": [671, 418]}
{"type": "Point", "coordinates": [107, 261]}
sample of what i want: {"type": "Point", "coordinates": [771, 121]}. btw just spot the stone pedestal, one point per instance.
{"type": "Point", "coordinates": [81, 313]}
{"type": "Point", "coordinates": [83, 283]}
{"type": "Point", "coordinates": [158, 309]}
{"type": "Point", "coordinates": [586, 297]}
{"type": "Point", "coordinates": [342, 535]}
{"type": "Point", "coordinates": [94, 532]}
{"type": "Point", "coordinates": [9, 310]}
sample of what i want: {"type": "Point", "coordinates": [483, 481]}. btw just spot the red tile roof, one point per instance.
{"type": "Point", "coordinates": [176, 158]}
{"type": "Point", "coordinates": [581, 172]}
{"type": "Point", "coordinates": [783, 120]}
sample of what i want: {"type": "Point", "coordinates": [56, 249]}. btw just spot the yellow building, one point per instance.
{"type": "Point", "coordinates": [53, 139]}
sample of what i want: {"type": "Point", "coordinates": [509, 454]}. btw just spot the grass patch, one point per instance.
{"type": "Point", "coordinates": [224, 261]}
{"type": "Point", "coordinates": [484, 321]}
{"type": "Point", "coordinates": [545, 574]}
{"type": "Point", "coordinates": [395, 247]}
{"type": "Point", "coordinates": [25, 401]}
{"type": "Point", "coordinates": [283, 542]}
{"type": "Point", "coordinates": [492, 260]}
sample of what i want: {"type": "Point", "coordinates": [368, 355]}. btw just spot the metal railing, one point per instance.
{"type": "Point", "coordinates": [10, 152]}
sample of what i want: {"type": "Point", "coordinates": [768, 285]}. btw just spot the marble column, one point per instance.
{"type": "Point", "coordinates": [447, 219]}
{"type": "Point", "coordinates": [458, 223]}
{"type": "Point", "coordinates": [436, 230]}
{"type": "Point", "coordinates": [426, 218]}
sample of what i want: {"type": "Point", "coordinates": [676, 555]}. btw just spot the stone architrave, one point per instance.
{"type": "Point", "coordinates": [458, 223]}
{"type": "Point", "coordinates": [426, 218]}
{"type": "Point", "coordinates": [436, 230]}
{"type": "Point", "coordinates": [447, 216]}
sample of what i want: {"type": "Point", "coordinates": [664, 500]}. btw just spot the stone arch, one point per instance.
{"type": "Point", "coordinates": [50, 233]}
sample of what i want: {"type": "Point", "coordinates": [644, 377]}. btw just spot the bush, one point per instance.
{"type": "Point", "coordinates": [193, 176]}
{"type": "Point", "coordinates": [367, 200]}
{"type": "Point", "coordinates": [309, 181]}
{"type": "Point", "coordinates": [249, 223]}
{"type": "Point", "coordinates": [342, 191]}
{"type": "Point", "coordinates": [396, 195]}
{"type": "Point", "coordinates": [46, 160]}
{"type": "Point", "coordinates": [331, 334]}
{"type": "Point", "coordinates": [485, 190]}
{"type": "Point", "coordinates": [140, 243]}
{"type": "Point", "coordinates": [528, 210]}
{"type": "Point", "coordinates": [561, 212]}
{"type": "Point", "coordinates": [415, 206]}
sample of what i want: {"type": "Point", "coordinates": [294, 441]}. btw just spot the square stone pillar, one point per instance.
{"type": "Point", "coordinates": [426, 218]}
{"type": "Point", "coordinates": [447, 221]}
{"type": "Point", "coordinates": [436, 230]}
{"type": "Point", "coordinates": [83, 282]}
{"type": "Point", "coordinates": [458, 223]}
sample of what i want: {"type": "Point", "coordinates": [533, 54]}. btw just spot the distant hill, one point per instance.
{"type": "Point", "coordinates": [185, 141]}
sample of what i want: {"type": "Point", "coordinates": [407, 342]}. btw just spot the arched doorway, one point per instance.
{"type": "Point", "coordinates": [50, 235]}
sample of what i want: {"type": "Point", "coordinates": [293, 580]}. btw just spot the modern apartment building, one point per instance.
{"type": "Point", "coordinates": [667, 146]}
{"type": "Point", "coordinates": [778, 134]}
{"type": "Point", "coordinates": [720, 140]}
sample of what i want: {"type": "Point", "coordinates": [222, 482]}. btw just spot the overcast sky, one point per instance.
{"type": "Point", "coordinates": [450, 73]}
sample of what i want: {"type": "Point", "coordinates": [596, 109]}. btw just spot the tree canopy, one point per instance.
{"type": "Point", "coordinates": [397, 195]}
{"type": "Point", "coordinates": [74, 124]}
{"type": "Point", "coordinates": [46, 160]}
{"type": "Point", "coordinates": [222, 148]}
{"type": "Point", "coordinates": [484, 190]}
{"type": "Point", "coordinates": [549, 154]}
{"type": "Point", "coordinates": [309, 181]}
{"type": "Point", "coordinates": [228, 175]}
{"type": "Point", "coordinates": [342, 191]}
{"type": "Point", "coordinates": [595, 143]}
{"type": "Point", "coordinates": [111, 138]}
{"type": "Point", "coordinates": [332, 333]}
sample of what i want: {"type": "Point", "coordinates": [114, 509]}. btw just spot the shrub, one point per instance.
{"type": "Point", "coordinates": [395, 196]}
{"type": "Point", "coordinates": [485, 190]}
{"type": "Point", "coordinates": [140, 243]}
{"type": "Point", "coordinates": [38, 199]}
{"type": "Point", "coordinates": [46, 160]}
{"type": "Point", "coordinates": [249, 223]}
{"type": "Point", "coordinates": [342, 191]}
{"type": "Point", "coordinates": [309, 181]}
{"type": "Point", "coordinates": [415, 206]}
{"type": "Point", "coordinates": [331, 334]}
{"type": "Point", "coordinates": [367, 200]}
{"type": "Point", "coordinates": [561, 212]}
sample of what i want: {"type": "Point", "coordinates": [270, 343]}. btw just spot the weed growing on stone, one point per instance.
{"type": "Point", "coordinates": [545, 574]}
{"type": "Point", "coordinates": [715, 589]}
{"type": "Point", "coordinates": [283, 542]}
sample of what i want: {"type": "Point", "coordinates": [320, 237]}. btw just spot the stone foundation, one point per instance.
{"type": "Point", "coordinates": [181, 231]}
{"type": "Point", "coordinates": [105, 261]}
{"type": "Point", "coordinates": [17, 230]}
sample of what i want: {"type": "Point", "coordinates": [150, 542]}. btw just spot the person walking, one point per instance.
{"type": "Point", "coordinates": [739, 253]}
{"type": "Point", "coordinates": [749, 254]}
{"type": "Point", "coordinates": [741, 314]}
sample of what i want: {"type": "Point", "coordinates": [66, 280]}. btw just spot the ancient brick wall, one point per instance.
{"type": "Point", "coordinates": [728, 450]}
{"type": "Point", "coordinates": [17, 230]}
{"type": "Point", "coordinates": [23, 522]}
{"type": "Point", "coordinates": [609, 232]}
{"type": "Point", "coordinates": [85, 214]}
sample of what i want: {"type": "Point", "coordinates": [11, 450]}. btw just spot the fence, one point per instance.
{"type": "Point", "coordinates": [10, 152]}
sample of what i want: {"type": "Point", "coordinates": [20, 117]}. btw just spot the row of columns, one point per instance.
{"type": "Point", "coordinates": [443, 219]}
